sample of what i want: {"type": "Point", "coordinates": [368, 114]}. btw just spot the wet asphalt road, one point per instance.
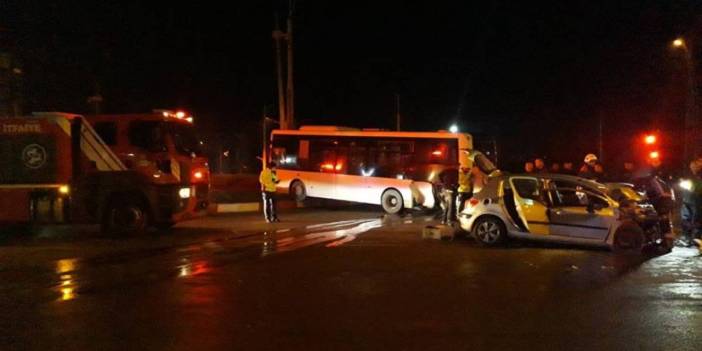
{"type": "Point", "coordinates": [344, 279]}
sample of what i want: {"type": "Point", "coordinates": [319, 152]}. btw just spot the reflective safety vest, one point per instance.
{"type": "Point", "coordinates": [465, 182]}
{"type": "Point", "coordinates": [268, 180]}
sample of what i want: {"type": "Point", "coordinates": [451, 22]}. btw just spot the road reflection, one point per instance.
{"type": "Point", "coordinates": [334, 235]}
{"type": "Point", "coordinates": [67, 285]}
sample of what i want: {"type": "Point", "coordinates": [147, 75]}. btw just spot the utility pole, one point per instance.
{"type": "Point", "coordinates": [600, 141]}
{"type": "Point", "coordinates": [398, 117]}
{"type": "Point", "coordinates": [278, 35]}
{"type": "Point", "coordinates": [291, 88]}
{"type": "Point", "coordinates": [263, 139]}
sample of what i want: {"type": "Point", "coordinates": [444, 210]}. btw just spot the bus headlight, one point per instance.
{"type": "Point", "coordinates": [184, 193]}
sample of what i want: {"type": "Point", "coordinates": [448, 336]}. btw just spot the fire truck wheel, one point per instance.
{"type": "Point", "coordinates": [163, 226]}
{"type": "Point", "coordinates": [125, 217]}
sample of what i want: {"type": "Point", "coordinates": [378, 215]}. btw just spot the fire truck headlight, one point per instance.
{"type": "Point", "coordinates": [686, 184]}
{"type": "Point", "coordinates": [184, 193]}
{"type": "Point", "coordinates": [64, 190]}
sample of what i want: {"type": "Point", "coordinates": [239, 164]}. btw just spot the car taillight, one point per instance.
{"type": "Point", "coordinates": [200, 175]}
{"type": "Point", "coordinates": [473, 202]}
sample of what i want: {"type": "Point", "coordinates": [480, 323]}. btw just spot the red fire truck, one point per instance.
{"type": "Point", "coordinates": [125, 172]}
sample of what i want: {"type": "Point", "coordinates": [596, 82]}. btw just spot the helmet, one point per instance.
{"type": "Point", "coordinates": [590, 158]}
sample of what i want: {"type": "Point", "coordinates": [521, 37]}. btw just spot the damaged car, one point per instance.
{"type": "Point", "coordinates": [563, 208]}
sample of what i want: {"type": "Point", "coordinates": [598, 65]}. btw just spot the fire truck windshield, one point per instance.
{"type": "Point", "coordinates": [184, 139]}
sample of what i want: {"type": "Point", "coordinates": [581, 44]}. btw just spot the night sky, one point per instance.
{"type": "Point", "coordinates": [538, 75]}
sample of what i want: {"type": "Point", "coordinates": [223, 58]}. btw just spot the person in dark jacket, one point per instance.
{"type": "Point", "coordinates": [449, 192]}
{"type": "Point", "coordinates": [529, 167]}
{"type": "Point", "coordinates": [691, 210]}
{"type": "Point", "coordinates": [568, 168]}
{"type": "Point", "coordinates": [540, 166]}
{"type": "Point", "coordinates": [628, 172]}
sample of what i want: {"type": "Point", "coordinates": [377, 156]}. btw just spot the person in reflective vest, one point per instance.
{"type": "Point", "coordinates": [269, 180]}
{"type": "Point", "coordinates": [465, 186]}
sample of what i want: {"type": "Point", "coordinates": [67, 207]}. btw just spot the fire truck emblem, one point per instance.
{"type": "Point", "coordinates": [34, 156]}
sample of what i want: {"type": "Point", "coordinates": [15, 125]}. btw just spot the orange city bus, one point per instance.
{"type": "Point", "coordinates": [397, 170]}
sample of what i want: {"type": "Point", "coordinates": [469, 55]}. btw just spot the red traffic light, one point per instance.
{"type": "Point", "coordinates": [650, 139]}
{"type": "Point", "coordinates": [654, 155]}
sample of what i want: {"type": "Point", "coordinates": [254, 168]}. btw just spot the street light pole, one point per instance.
{"type": "Point", "coordinates": [690, 125]}
{"type": "Point", "coordinates": [290, 122]}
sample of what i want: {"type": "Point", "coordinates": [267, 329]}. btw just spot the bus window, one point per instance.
{"type": "Point", "coordinates": [436, 151]}
{"type": "Point", "coordinates": [357, 158]}
{"type": "Point", "coordinates": [285, 152]}
{"type": "Point", "coordinates": [389, 157]}
{"type": "Point", "coordinates": [323, 155]}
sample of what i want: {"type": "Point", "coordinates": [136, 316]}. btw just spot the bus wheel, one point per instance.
{"type": "Point", "coordinates": [125, 217]}
{"type": "Point", "coordinates": [391, 200]}
{"type": "Point", "coordinates": [297, 191]}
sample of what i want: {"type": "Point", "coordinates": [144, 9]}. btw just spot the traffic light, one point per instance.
{"type": "Point", "coordinates": [651, 149]}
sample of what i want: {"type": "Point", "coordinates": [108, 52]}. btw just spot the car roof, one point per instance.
{"type": "Point", "coordinates": [565, 177]}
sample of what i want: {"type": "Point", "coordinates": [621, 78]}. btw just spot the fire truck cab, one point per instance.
{"type": "Point", "coordinates": [125, 172]}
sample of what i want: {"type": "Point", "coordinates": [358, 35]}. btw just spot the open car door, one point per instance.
{"type": "Point", "coordinates": [530, 204]}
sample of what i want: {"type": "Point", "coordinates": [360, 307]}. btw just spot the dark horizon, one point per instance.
{"type": "Point", "coordinates": [539, 78]}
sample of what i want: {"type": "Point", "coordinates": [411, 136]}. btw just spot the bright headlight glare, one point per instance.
{"type": "Point", "coordinates": [686, 184]}
{"type": "Point", "coordinates": [184, 193]}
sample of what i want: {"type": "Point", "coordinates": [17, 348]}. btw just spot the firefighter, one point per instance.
{"type": "Point", "coordinates": [268, 180]}
{"type": "Point", "coordinates": [691, 210]}
{"type": "Point", "coordinates": [465, 186]}
{"type": "Point", "coordinates": [587, 170]}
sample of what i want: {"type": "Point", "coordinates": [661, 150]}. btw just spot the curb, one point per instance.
{"type": "Point", "coordinates": [249, 207]}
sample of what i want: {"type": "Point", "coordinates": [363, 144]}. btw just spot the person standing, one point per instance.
{"type": "Point", "coordinates": [568, 168]}
{"type": "Point", "coordinates": [528, 167]}
{"type": "Point", "coordinates": [690, 212]}
{"type": "Point", "coordinates": [465, 186]}
{"type": "Point", "coordinates": [449, 187]}
{"type": "Point", "coordinates": [587, 170]}
{"type": "Point", "coordinates": [269, 180]}
{"type": "Point", "coordinates": [540, 166]}
{"type": "Point", "coordinates": [628, 172]}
